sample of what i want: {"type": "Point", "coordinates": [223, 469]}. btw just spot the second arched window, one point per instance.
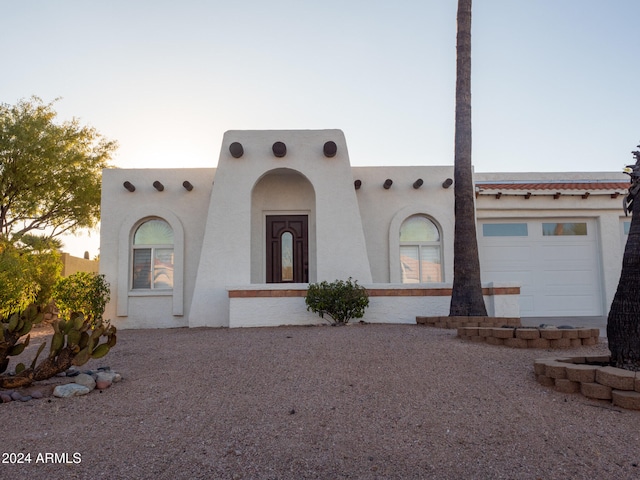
{"type": "Point", "coordinates": [420, 251]}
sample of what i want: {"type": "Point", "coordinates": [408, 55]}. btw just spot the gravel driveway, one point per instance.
{"type": "Point", "coordinates": [359, 402]}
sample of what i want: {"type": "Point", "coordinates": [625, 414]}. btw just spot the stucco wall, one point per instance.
{"type": "Point", "coordinates": [284, 304]}
{"type": "Point", "coordinates": [71, 265]}
{"type": "Point", "coordinates": [122, 211]}
{"type": "Point", "coordinates": [384, 210]}
{"type": "Point", "coordinates": [220, 237]}
{"type": "Point", "coordinates": [339, 239]}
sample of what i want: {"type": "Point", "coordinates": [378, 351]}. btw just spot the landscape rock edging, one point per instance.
{"type": "Point", "coordinates": [531, 337]}
{"type": "Point", "coordinates": [592, 377]}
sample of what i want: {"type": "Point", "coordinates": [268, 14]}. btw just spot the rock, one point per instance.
{"type": "Point", "coordinates": [103, 384]}
{"type": "Point", "coordinates": [4, 398]}
{"type": "Point", "coordinates": [104, 369]}
{"type": "Point", "coordinates": [85, 380]}
{"type": "Point", "coordinates": [26, 398]}
{"type": "Point", "coordinates": [16, 396]}
{"type": "Point", "coordinates": [106, 378]}
{"type": "Point", "coordinates": [72, 372]}
{"type": "Point", "coordinates": [70, 390]}
{"type": "Point", "coordinates": [37, 394]}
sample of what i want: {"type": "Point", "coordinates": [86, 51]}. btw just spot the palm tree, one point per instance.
{"type": "Point", "coordinates": [623, 324]}
{"type": "Point", "coordinates": [466, 298]}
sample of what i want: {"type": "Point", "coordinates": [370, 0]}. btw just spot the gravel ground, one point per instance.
{"type": "Point", "coordinates": [363, 401]}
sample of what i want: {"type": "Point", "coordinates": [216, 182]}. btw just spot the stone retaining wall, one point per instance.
{"type": "Point", "coordinates": [592, 377]}
{"type": "Point", "coordinates": [457, 322]}
{"type": "Point", "coordinates": [531, 337]}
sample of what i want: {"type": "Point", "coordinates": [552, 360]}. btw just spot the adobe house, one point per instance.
{"type": "Point", "coordinates": [236, 245]}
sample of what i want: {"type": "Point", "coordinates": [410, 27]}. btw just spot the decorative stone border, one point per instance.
{"type": "Point", "coordinates": [592, 377]}
{"type": "Point", "coordinates": [457, 322]}
{"type": "Point", "coordinates": [528, 337]}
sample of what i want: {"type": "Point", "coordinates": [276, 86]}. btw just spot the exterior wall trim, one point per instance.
{"type": "Point", "coordinates": [373, 292]}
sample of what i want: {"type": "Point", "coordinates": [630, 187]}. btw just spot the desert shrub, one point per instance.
{"type": "Point", "coordinates": [340, 300]}
{"type": "Point", "coordinates": [84, 292]}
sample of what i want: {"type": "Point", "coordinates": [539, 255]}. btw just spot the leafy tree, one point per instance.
{"type": "Point", "coordinates": [50, 173]}
{"type": "Point", "coordinates": [466, 298]}
{"type": "Point", "coordinates": [623, 323]}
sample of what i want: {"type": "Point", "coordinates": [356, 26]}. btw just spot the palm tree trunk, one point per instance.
{"type": "Point", "coordinates": [466, 298]}
{"type": "Point", "coordinates": [623, 323]}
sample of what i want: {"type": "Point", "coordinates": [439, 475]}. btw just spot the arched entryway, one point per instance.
{"type": "Point", "coordinates": [283, 228]}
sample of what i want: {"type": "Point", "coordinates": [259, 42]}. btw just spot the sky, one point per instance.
{"type": "Point", "coordinates": [555, 83]}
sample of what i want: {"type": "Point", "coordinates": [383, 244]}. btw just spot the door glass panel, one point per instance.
{"type": "Point", "coordinates": [560, 229]}
{"type": "Point", "coordinates": [504, 230]}
{"type": "Point", "coordinates": [286, 242]}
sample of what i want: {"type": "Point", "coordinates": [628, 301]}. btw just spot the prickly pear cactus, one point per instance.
{"type": "Point", "coordinates": [74, 342]}
{"type": "Point", "coordinates": [13, 328]}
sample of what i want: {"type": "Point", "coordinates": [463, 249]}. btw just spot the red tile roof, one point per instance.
{"type": "Point", "coordinates": [553, 186]}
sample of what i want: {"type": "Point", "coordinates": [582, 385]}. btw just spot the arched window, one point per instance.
{"type": "Point", "coordinates": [153, 256]}
{"type": "Point", "coordinates": [420, 251]}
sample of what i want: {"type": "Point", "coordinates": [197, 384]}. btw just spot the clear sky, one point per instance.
{"type": "Point", "coordinates": [555, 82]}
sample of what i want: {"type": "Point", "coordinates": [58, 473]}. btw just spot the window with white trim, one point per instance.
{"type": "Point", "coordinates": [420, 251]}
{"type": "Point", "coordinates": [152, 256]}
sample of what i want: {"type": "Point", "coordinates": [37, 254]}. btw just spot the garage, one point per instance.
{"type": "Point", "coordinates": [556, 262]}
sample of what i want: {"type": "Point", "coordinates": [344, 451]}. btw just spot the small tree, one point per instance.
{"type": "Point", "coordinates": [340, 301]}
{"type": "Point", "coordinates": [82, 292]}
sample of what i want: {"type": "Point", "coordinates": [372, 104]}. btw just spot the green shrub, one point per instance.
{"type": "Point", "coordinates": [340, 301]}
{"type": "Point", "coordinates": [83, 292]}
{"type": "Point", "coordinates": [29, 267]}
{"type": "Point", "coordinates": [18, 287]}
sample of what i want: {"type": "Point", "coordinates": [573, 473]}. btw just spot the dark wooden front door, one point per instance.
{"type": "Point", "coordinates": [287, 249]}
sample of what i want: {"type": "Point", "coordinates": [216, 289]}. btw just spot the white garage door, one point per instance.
{"type": "Point", "coordinates": [556, 262]}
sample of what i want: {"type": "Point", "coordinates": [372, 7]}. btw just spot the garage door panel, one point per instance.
{"type": "Point", "coordinates": [569, 305]}
{"type": "Point", "coordinates": [526, 305]}
{"type": "Point", "coordinates": [507, 253]}
{"type": "Point", "coordinates": [522, 277]}
{"type": "Point", "coordinates": [566, 252]}
{"type": "Point", "coordinates": [567, 279]}
{"type": "Point", "coordinates": [559, 274]}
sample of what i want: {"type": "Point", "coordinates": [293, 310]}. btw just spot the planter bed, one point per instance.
{"type": "Point", "coordinates": [593, 377]}
{"type": "Point", "coordinates": [528, 337]}
{"type": "Point", "coordinates": [457, 322]}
